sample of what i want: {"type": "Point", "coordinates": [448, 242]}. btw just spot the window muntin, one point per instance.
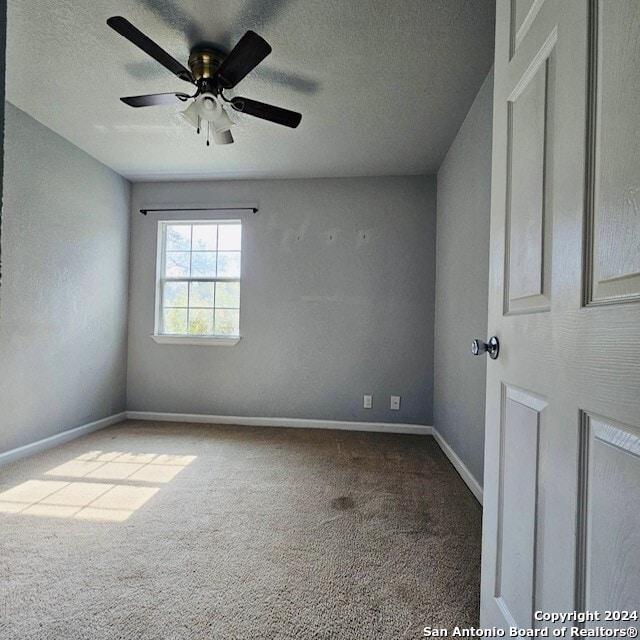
{"type": "Point", "coordinates": [199, 283]}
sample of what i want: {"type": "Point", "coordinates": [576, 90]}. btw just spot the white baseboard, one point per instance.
{"type": "Point", "coordinates": [303, 423]}
{"type": "Point", "coordinates": [461, 467]}
{"type": "Point", "coordinates": [300, 423]}
{"type": "Point", "coordinates": [297, 423]}
{"type": "Point", "coordinates": [59, 438]}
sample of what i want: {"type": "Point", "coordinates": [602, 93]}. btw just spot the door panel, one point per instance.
{"type": "Point", "coordinates": [530, 130]}
{"type": "Point", "coordinates": [516, 543]}
{"type": "Point", "coordinates": [609, 554]}
{"type": "Point", "coordinates": [562, 486]}
{"type": "Point", "coordinates": [523, 13]}
{"type": "Point", "coordinates": [615, 181]}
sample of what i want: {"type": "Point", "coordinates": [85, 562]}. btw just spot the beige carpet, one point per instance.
{"type": "Point", "coordinates": [154, 531]}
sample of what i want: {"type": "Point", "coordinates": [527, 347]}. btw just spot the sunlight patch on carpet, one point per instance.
{"type": "Point", "coordinates": [97, 501]}
{"type": "Point", "coordinates": [117, 465]}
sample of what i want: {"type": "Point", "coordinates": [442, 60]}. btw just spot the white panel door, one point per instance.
{"type": "Point", "coordinates": [561, 525]}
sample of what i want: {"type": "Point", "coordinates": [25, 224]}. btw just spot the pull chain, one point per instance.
{"type": "Point", "coordinates": [198, 129]}
{"type": "Point", "coordinates": [208, 130]}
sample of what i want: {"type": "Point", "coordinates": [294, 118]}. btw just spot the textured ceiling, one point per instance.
{"type": "Point", "coordinates": [383, 86]}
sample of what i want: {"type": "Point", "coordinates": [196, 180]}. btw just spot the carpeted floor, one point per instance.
{"type": "Point", "coordinates": [171, 531]}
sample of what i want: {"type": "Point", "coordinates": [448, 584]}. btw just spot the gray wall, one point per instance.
{"type": "Point", "coordinates": [462, 268]}
{"type": "Point", "coordinates": [3, 46]}
{"type": "Point", "coordinates": [337, 301]}
{"type": "Point", "coordinates": [64, 285]}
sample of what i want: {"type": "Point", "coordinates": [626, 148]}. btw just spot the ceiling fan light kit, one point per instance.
{"type": "Point", "coordinates": [212, 73]}
{"type": "Point", "coordinates": [206, 112]}
{"type": "Point", "coordinates": [224, 137]}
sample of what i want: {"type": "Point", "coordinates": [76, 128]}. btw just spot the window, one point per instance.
{"type": "Point", "coordinates": [198, 293]}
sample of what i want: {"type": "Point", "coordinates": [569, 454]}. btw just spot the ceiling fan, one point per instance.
{"type": "Point", "coordinates": [212, 72]}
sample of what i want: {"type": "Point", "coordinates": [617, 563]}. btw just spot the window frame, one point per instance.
{"type": "Point", "coordinates": [161, 256]}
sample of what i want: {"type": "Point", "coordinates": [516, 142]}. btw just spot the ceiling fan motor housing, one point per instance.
{"type": "Point", "coordinates": [204, 62]}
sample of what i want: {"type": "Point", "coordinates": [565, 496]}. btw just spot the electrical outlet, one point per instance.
{"type": "Point", "coordinates": [395, 403]}
{"type": "Point", "coordinates": [367, 402]}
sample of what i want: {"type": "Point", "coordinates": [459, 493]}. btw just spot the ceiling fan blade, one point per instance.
{"type": "Point", "coordinates": [155, 99]}
{"type": "Point", "coordinates": [267, 112]}
{"type": "Point", "coordinates": [250, 51]}
{"type": "Point", "coordinates": [134, 35]}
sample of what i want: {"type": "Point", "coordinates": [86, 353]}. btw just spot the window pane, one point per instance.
{"type": "Point", "coordinates": [228, 295]}
{"type": "Point", "coordinates": [175, 294]}
{"type": "Point", "coordinates": [179, 237]}
{"type": "Point", "coordinates": [205, 237]}
{"type": "Point", "coordinates": [201, 294]}
{"type": "Point", "coordinates": [229, 264]}
{"type": "Point", "coordinates": [195, 252]}
{"type": "Point", "coordinates": [229, 237]}
{"type": "Point", "coordinates": [203, 264]}
{"type": "Point", "coordinates": [201, 321]}
{"type": "Point", "coordinates": [177, 264]}
{"type": "Point", "coordinates": [227, 322]}
{"type": "Point", "coordinates": [175, 321]}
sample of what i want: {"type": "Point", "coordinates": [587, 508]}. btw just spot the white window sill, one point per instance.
{"type": "Point", "coordinates": [209, 341]}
